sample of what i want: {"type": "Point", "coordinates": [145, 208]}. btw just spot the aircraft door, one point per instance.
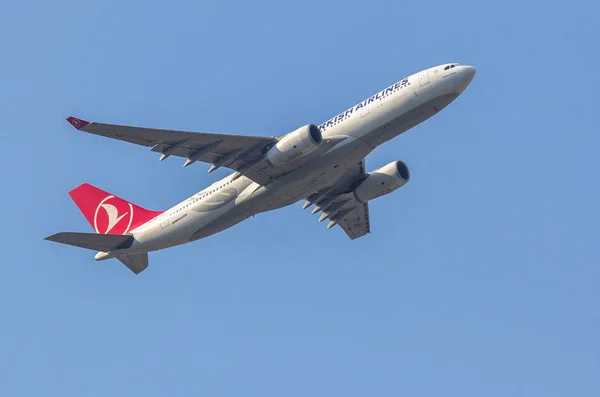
{"type": "Point", "coordinates": [424, 78]}
{"type": "Point", "coordinates": [165, 223]}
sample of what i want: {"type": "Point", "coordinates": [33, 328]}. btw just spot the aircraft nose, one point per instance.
{"type": "Point", "coordinates": [465, 77]}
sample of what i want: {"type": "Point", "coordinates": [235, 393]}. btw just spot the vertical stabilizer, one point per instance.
{"type": "Point", "coordinates": [108, 213]}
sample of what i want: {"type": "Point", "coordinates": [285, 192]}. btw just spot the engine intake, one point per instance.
{"type": "Point", "coordinates": [294, 145]}
{"type": "Point", "coordinates": [382, 181]}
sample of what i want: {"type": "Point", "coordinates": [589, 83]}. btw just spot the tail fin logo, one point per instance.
{"type": "Point", "coordinates": [113, 214]}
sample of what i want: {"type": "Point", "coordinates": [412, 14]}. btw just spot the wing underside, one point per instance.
{"type": "Point", "coordinates": [338, 204]}
{"type": "Point", "coordinates": [237, 152]}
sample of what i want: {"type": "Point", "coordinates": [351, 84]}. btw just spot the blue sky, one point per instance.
{"type": "Point", "coordinates": [480, 276]}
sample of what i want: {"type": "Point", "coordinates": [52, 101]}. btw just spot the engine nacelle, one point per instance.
{"type": "Point", "coordinates": [294, 145]}
{"type": "Point", "coordinates": [382, 181]}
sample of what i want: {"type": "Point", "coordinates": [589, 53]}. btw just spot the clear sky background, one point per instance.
{"type": "Point", "coordinates": [480, 278]}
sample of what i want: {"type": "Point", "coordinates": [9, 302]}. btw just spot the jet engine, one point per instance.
{"type": "Point", "coordinates": [294, 145]}
{"type": "Point", "coordinates": [382, 181]}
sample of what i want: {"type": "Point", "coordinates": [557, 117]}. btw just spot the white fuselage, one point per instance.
{"type": "Point", "coordinates": [357, 132]}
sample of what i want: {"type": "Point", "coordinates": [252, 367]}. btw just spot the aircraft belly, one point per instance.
{"type": "Point", "coordinates": [224, 221]}
{"type": "Point", "coordinates": [310, 178]}
{"type": "Point", "coordinates": [180, 228]}
{"type": "Point", "coordinates": [174, 234]}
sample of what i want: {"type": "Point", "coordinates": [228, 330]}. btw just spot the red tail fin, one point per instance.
{"type": "Point", "coordinates": [108, 213]}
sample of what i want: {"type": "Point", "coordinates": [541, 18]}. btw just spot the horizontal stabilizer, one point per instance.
{"type": "Point", "coordinates": [93, 241]}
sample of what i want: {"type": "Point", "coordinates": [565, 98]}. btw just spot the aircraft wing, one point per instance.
{"type": "Point", "coordinates": [338, 204]}
{"type": "Point", "coordinates": [237, 152]}
{"type": "Point", "coordinates": [356, 223]}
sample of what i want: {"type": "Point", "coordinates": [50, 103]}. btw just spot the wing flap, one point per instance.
{"type": "Point", "coordinates": [356, 223]}
{"type": "Point", "coordinates": [338, 204]}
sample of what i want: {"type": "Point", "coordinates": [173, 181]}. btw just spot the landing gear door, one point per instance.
{"type": "Point", "coordinates": [424, 78]}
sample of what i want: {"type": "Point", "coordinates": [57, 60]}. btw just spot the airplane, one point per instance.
{"type": "Point", "coordinates": [324, 165]}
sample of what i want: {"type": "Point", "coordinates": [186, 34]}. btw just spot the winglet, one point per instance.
{"type": "Point", "coordinates": [77, 123]}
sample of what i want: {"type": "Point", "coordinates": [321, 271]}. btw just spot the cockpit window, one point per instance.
{"type": "Point", "coordinates": [450, 66]}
